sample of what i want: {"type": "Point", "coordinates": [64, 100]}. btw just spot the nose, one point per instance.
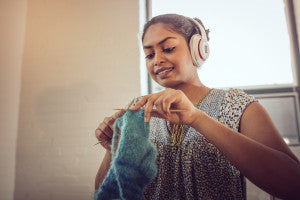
{"type": "Point", "coordinates": [158, 58]}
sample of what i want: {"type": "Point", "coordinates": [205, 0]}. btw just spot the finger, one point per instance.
{"type": "Point", "coordinates": [103, 137]}
{"type": "Point", "coordinates": [116, 116]}
{"type": "Point", "coordinates": [108, 129]}
{"type": "Point", "coordinates": [141, 103]}
{"type": "Point", "coordinates": [112, 118]}
{"type": "Point", "coordinates": [159, 105]}
{"type": "Point", "coordinates": [148, 109]}
{"type": "Point", "coordinates": [167, 105]}
{"type": "Point", "coordinates": [100, 135]}
{"type": "Point", "coordinates": [109, 121]}
{"type": "Point", "coordinates": [106, 144]}
{"type": "Point", "coordinates": [157, 114]}
{"type": "Point", "coordinates": [105, 129]}
{"type": "Point", "coordinates": [105, 141]}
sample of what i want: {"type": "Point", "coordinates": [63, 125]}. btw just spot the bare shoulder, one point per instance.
{"type": "Point", "coordinates": [257, 124]}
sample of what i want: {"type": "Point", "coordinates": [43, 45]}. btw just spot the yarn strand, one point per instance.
{"type": "Point", "coordinates": [178, 129]}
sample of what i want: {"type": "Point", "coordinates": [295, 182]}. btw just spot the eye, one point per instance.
{"type": "Point", "coordinates": [150, 56]}
{"type": "Point", "coordinates": [168, 50]}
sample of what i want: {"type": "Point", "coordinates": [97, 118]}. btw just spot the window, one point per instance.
{"type": "Point", "coordinates": [249, 40]}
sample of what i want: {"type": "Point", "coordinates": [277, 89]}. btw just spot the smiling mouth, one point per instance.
{"type": "Point", "coordinates": [164, 71]}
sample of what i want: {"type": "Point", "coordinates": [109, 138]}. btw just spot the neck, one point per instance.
{"type": "Point", "coordinates": [194, 91]}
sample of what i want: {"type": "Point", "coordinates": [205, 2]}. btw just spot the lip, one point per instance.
{"type": "Point", "coordinates": [163, 69]}
{"type": "Point", "coordinates": [163, 72]}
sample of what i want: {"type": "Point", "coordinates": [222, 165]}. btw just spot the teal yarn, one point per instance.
{"type": "Point", "coordinates": [133, 159]}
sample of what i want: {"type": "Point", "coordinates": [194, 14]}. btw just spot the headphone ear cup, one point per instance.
{"type": "Point", "coordinates": [195, 43]}
{"type": "Point", "coordinates": [199, 45]}
{"type": "Point", "coordinates": [204, 49]}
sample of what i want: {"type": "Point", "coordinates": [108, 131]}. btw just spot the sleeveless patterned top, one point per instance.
{"type": "Point", "coordinates": [196, 169]}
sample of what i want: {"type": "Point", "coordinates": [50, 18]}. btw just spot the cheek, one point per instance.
{"type": "Point", "coordinates": [149, 67]}
{"type": "Point", "coordinates": [186, 59]}
{"type": "Point", "coordinates": [181, 60]}
{"type": "Point", "coordinates": [182, 57]}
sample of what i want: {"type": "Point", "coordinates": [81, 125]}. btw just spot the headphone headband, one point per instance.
{"type": "Point", "coordinates": [200, 28]}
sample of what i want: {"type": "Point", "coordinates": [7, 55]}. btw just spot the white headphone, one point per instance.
{"type": "Point", "coordinates": [199, 45]}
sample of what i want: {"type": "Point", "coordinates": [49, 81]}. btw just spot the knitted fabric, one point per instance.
{"type": "Point", "coordinates": [133, 159]}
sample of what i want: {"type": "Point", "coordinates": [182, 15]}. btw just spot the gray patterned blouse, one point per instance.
{"type": "Point", "coordinates": [196, 169]}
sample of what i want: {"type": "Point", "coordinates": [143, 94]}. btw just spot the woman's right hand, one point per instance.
{"type": "Point", "coordinates": [105, 130]}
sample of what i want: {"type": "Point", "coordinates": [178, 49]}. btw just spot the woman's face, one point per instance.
{"type": "Point", "coordinates": [168, 58]}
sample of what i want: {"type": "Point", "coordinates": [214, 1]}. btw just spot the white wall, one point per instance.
{"type": "Point", "coordinates": [81, 59]}
{"type": "Point", "coordinates": [12, 23]}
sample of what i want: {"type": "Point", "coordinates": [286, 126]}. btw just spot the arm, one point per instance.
{"type": "Point", "coordinates": [104, 134]}
{"type": "Point", "coordinates": [103, 169]}
{"type": "Point", "coordinates": [259, 152]}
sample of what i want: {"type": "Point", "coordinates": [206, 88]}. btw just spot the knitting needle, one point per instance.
{"type": "Point", "coordinates": [153, 110]}
{"type": "Point", "coordinates": [132, 101]}
{"type": "Point", "coordinates": [96, 143]}
{"type": "Point", "coordinates": [129, 107]}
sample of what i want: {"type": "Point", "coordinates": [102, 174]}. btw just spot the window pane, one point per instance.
{"type": "Point", "coordinates": [283, 111]}
{"type": "Point", "coordinates": [249, 40]}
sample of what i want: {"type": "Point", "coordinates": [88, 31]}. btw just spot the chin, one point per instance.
{"type": "Point", "coordinates": [168, 83]}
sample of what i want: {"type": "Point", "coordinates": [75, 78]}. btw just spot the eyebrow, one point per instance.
{"type": "Point", "coordinates": [167, 38]}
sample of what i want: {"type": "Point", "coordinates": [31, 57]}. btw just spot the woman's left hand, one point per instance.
{"type": "Point", "coordinates": [166, 101]}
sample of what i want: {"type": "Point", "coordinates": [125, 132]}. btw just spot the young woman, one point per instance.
{"type": "Point", "coordinates": [219, 136]}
